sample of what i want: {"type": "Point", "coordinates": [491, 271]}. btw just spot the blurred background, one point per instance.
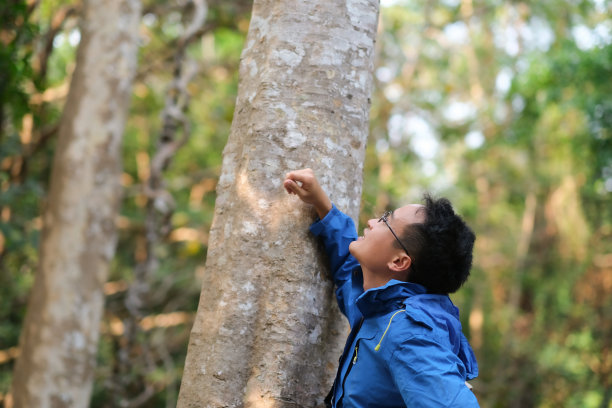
{"type": "Point", "coordinates": [504, 107]}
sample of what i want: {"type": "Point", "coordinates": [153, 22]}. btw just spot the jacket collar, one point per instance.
{"type": "Point", "coordinates": [389, 297]}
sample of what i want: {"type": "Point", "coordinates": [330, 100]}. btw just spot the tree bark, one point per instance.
{"type": "Point", "coordinates": [60, 336]}
{"type": "Point", "coordinates": [267, 331]}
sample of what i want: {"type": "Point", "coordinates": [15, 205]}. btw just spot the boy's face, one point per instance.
{"type": "Point", "coordinates": [377, 248]}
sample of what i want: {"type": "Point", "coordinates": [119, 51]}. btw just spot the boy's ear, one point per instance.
{"type": "Point", "coordinates": [400, 263]}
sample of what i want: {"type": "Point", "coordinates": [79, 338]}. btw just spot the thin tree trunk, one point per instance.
{"type": "Point", "coordinates": [136, 348]}
{"type": "Point", "coordinates": [60, 336]}
{"type": "Point", "coordinates": [267, 332]}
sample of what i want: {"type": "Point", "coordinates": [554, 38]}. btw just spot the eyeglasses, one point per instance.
{"type": "Point", "coordinates": [385, 219]}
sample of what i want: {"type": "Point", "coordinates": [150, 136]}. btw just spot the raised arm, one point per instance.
{"type": "Point", "coordinates": [336, 230]}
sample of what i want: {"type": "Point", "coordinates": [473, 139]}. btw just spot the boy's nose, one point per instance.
{"type": "Point", "coordinates": [372, 222]}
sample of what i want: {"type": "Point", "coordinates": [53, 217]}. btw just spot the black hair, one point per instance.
{"type": "Point", "coordinates": [440, 247]}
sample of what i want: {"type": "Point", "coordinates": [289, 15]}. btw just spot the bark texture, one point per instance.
{"type": "Point", "coordinates": [267, 332]}
{"type": "Point", "coordinates": [61, 331]}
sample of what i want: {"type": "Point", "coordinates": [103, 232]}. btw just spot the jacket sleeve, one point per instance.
{"type": "Point", "coordinates": [337, 230]}
{"type": "Point", "coordinates": [430, 375]}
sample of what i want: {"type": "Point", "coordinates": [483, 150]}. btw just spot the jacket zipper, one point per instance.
{"type": "Point", "coordinates": [348, 371]}
{"type": "Point", "coordinates": [357, 329]}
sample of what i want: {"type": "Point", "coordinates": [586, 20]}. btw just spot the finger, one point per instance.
{"type": "Point", "coordinates": [300, 175]}
{"type": "Point", "coordinates": [291, 187]}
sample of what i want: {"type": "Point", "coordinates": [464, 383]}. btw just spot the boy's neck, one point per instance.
{"type": "Point", "coordinates": [374, 280]}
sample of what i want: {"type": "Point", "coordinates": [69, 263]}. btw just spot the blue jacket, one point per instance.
{"type": "Point", "coordinates": [406, 347]}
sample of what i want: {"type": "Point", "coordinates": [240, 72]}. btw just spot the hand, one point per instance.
{"type": "Point", "coordinates": [304, 184]}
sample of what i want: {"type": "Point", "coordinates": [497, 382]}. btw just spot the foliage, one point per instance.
{"type": "Point", "coordinates": [18, 237]}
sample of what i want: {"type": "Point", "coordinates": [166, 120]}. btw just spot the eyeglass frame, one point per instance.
{"type": "Point", "coordinates": [384, 218]}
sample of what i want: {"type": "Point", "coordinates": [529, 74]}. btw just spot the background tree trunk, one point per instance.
{"type": "Point", "coordinates": [60, 337]}
{"type": "Point", "coordinates": [267, 332]}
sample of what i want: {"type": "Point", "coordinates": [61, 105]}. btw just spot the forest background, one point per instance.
{"type": "Point", "coordinates": [504, 107]}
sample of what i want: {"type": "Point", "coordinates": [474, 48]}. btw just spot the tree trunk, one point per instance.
{"type": "Point", "coordinates": [60, 336]}
{"type": "Point", "coordinates": [267, 332]}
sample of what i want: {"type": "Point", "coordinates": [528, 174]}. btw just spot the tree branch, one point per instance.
{"type": "Point", "coordinates": [57, 23]}
{"type": "Point", "coordinates": [160, 203]}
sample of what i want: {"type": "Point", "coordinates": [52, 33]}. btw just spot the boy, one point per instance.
{"type": "Point", "coordinates": [406, 347]}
